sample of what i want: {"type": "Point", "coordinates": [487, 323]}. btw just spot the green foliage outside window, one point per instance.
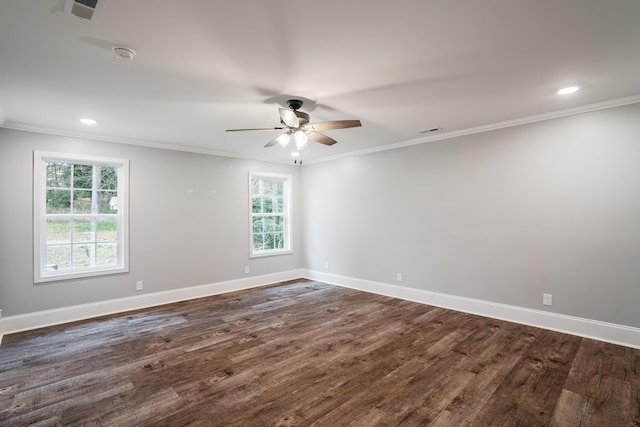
{"type": "Point", "coordinates": [268, 214]}
{"type": "Point", "coordinates": [77, 188]}
{"type": "Point", "coordinates": [81, 189]}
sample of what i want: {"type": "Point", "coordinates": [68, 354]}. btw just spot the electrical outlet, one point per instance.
{"type": "Point", "coordinates": [326, 265]}
{"type": "Point", "coordinates": [399, 277]}
{"type": "Point", "coordinates": [247, 269]}
{"type": "Point", "coordinates": [139, 285]}
{"type": "Point", "coordinates": [547, 299]}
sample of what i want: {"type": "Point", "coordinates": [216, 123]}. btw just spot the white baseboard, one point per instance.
{"type": "Point", "coordinates": [40, 319]}
{"type": "Point", "coordinates": [609, 332]}
{"type": "Point", "coordinates": [601, 331]}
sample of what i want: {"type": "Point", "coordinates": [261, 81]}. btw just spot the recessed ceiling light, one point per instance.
{"type": "Point", "coordinates": [568, 90]}
{"type": "Point", "coordinates": [295, 154]}
{"type": "Point", "coordinates": [88, 121]}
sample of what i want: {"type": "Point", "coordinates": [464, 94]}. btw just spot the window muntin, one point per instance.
{"type": "Point", "coordinates": [270, 222]}
{"type": "Point", "coordinates": [80, 216]}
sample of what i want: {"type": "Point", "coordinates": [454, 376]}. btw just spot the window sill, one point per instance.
{"type": "Point", "coordinates": [52, 277]}
{"type": "Point", "coordinates": [269, 253]}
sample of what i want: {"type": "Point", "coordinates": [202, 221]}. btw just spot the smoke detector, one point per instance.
{"type": "Point", "coordinates": [124, 52]}
{"type": "Point", "coordinates": [84, 9]}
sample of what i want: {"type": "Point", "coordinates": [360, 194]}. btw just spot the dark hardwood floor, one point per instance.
{"type": "Point", "coordinates": [305, 353]}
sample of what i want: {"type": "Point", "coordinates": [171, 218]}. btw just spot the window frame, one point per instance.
{"type": "Point", "coordinates": [40, 216]}
{"type": "Point", "coordinates": [287, 192]}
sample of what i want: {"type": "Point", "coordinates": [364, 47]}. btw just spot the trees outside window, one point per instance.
{"type": "Point", "coordinates": [270, 222]}
{"type": "Point", "coordinates": [80, 216]}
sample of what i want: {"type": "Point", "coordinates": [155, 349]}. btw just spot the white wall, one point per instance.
{"type": "Point", "coordinates": [501, 216]}
{"type": "Point", "coordinates": [188, 223]}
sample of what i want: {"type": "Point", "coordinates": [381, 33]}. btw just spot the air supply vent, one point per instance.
{"type": "Point", "coordinates": [84, 9]}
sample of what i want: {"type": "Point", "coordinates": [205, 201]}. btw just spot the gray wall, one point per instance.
{"type": "Point", "coordinates": [502, 216]}
{"type": "Point", "coordinates": [188, 222]}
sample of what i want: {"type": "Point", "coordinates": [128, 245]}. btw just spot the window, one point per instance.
{"type": "Point", "coordinates": [270, 228]}
{"type": "Point", "coordinates": [80, 216]}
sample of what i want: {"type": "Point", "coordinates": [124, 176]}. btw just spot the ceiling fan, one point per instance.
{"type": "Point", "coordinates": [297, 127]}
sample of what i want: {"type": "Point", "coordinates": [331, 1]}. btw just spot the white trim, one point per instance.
{"type": "Point", "coordinates": [486, 128]}
{"type": "Point", "coordinates": [41, 319]}
{"type": "Point", "coordinates": [136, 142]}
{"type": "Point", "coordinates": [587, 328]}
{"type": "Point", "coordinates": [618, 102]}
{"type": "Point", "coordinates": [288, 222]}
{"type": "Point", "coordinates": [40, 159]}
{"type": "Point", "coordinates": [602, 331]}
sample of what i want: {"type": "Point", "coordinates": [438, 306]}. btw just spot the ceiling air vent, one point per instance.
{"type": "Point", "coordinates": [84, 9]}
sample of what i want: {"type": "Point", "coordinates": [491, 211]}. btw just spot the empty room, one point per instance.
{"type": "Point", "coordinates": [338, 213]}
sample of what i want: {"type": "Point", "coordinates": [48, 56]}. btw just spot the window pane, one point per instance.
{"type": "Point", "coordinates": [269, 241]}
{"type": "Point", "coordinates": [82, 202]}
{"type": "Point", "coordinates": [279, 223]}
{"type": "Point", "coordinates": [58, 231]}
{"type": "Point", "coordinates": [278, 188]}
{"type": "Point", "coordinates": [269, 224]}
{"type": "Point", "coordinates": [58, 201]}
{"type": "Point", "coordinates": [108, 178]}
{"type": "Point", "coordinates": [255, 187]}
{"type": "Point", "coordinates": [107, 254]}
{"type": "Point", "coordinates": [82, 176]}
{"type": "Point", "coordinates": [107, 230]}
{"type": "Point", "coordinates": [83, 255]}
{"type": "Point", "coordinates": [258, 242]}
{"type": "Point", "coordinates": [81, 225]}
{"type": "Point", "coordinates": [270, 203]}
{"type": "Point", "coordinates": [279, 240]}
{"type": "Point", "coordinates": [278, 204]}
{"type": "Point", "coordinates": [265, 187]}
{"type": "Point", "coordinates": [84, 230]}
{"type": "Point", "coordinates": [58, 257]}
{"type": "Point", "coordinates": [107, 202]}
{"type": "Point", "coordinates": [267, 205]}
{"type": "Point", "coordinates": [256, 205]}
{"type": "Point", "coordinates": [58, 175]}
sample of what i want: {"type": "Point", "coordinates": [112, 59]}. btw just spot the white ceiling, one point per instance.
{"type": "Point", "coordinates": [399, 66]}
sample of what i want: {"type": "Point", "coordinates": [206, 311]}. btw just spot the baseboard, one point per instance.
{"type": "Point", "coordinates": [40, 319]}
{"type": "Point", "coordinates": [608, 332]}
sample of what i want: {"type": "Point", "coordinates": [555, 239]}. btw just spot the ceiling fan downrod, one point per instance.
{"type": "Point", "coordinates": [294, 104]}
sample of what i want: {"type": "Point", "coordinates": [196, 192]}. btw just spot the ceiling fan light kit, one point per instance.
{"type": "Point", "coordinates": [301, 139]}
{"type": "Point", "coordinates": [284, 139]}
{"type": "Point", "coordinates": [296, 124]}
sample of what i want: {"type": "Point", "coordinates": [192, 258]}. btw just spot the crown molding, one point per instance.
{"type": "Point", "coordinates": [618, 102]}
{"type": "Point", "coordinates": [117, 140]}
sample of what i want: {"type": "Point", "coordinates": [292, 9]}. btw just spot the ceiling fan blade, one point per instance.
{"type": "Point", "coordinates": [335, 124]}
{"type": "Point", "coordinates": [322, 139]}
{"type": "Point", "coordinates": [289, 118]}
{"type": "Point", "coordinates": [273, 142]}
{"type": "Point", "coordinates": [242, 130]}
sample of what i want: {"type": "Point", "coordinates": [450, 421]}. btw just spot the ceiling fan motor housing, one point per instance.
{"type": "Point", "coordinates": [296, 125]}
{"type": "Point", "coordinates": [294, 104]}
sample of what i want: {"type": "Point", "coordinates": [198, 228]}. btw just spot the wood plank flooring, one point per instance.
{"type": "Point", "coordinates": [305, 353]}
